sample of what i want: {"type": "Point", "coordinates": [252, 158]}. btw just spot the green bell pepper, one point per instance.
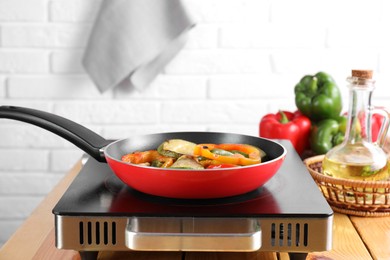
{"type": "Point", "coordinates": [327, 133]}
{"type": "Point", "coordinates": [318, 97]}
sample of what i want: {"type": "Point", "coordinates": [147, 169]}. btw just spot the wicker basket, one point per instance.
{"type": "Point", "coordinates": [359, 198]}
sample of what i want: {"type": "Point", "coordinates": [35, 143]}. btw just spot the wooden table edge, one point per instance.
{"type": "Point", "coordinates": [30, 236]}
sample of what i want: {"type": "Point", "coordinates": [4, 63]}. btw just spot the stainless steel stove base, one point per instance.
{"type": "Point", "coordinates": [299, 235]}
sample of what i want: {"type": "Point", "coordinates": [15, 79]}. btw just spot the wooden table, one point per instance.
{"type": "Point", "coordinates": [354, 238]}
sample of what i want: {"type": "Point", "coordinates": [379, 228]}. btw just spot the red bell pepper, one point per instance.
{"type": "Point", "coordinates": [377, 121]}
{"type": "Point", "coordinates": [287, 125]}
{"type": "Point", "coordinates": [376, 124]}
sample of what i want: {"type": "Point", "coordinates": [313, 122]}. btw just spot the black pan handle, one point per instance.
{"type": "Point", "coordinates": [82, 137]}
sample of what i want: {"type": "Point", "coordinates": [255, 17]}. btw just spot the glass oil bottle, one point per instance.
{"type": "Point", "coordinates": [358, 157]}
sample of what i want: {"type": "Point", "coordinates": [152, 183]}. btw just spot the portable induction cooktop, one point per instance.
{"type": "Point", "coordinates": [288, 214]}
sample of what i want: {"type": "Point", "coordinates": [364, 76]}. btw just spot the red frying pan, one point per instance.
{"type": "Point", "coordinates": [166, 182]}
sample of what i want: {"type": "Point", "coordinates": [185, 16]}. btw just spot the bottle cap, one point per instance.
{"type": "Point", "coordinates": [363, 74]}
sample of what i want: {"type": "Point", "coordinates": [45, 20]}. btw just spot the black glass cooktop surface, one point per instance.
{"type": "Point", "coordinates": [291, 193]}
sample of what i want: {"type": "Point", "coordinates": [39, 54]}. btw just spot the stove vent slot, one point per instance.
{"type": "Point", "coordinates": [97, 233]}
{"type": "Point", "coordinates": [289, 234]}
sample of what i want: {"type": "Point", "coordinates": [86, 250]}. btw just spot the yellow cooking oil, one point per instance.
{"type": "Point", "coordinates": [358, 157]}
{"type": "Point", "coordinates": [353, 162]}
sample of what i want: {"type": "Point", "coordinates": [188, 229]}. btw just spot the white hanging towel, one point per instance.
{"type": "Point", "coordinates": [134, 39]}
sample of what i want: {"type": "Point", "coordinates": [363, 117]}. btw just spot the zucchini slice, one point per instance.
{"type": "Point", "coordinates": [187, 162]}
{"type": "Point", "coordinates": [176, 147]}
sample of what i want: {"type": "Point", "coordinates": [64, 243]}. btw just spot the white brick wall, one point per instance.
{"type": "Point", "coordinates": [242, 60]}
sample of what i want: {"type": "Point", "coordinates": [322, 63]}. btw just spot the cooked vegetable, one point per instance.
{"type": "Point", "coordinates": [167, 153]}
{"type": "Point", "coordinates": [182, 154]}
{"type": "Point", "coordinates": [242, 153]}
{"type": "Point", "coordinates": [254, 155]}
{"type": "Point", "coordinates": [187, 162]}
{"type": "Point", "coordinates": [148, 157]}
{"type": "Point", "coordinates": [222, 152]}
{"type": "Point", "coordinates": [179, 146]}
{"type": "Point", "coordinates": [176, 147]}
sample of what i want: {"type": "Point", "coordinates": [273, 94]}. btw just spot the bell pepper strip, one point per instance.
{"type": "Point", "coordinates": [254, 155]}
{"type": "Point", "coordinates": [148, 157]}
{"type": "Point", "coordinates": [208, 162]}
{"type": "Point", "coordinates": [318, 97]}
{"type": "Point", "coordinates": [326, 134]}
{"type": "Point", "coordinates": [294, 127]}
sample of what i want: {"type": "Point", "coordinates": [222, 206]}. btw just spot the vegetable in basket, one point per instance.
{"type": "Point", "coordinates": [330, 132]}
{"type": "Point", "coordinates": [318, 97]}
{"type": "Point", "coordinates": [326, 134]}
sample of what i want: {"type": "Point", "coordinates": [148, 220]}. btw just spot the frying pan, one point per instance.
{"type": "Point", "coordinates": [165, 182]}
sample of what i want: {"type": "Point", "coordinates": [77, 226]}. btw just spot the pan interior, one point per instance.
{"type": "Point", "coordinates": [150, 142]}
